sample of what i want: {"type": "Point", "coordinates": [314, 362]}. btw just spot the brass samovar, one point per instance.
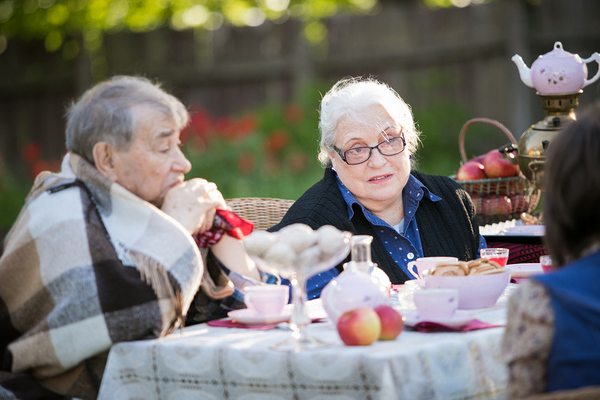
{"type": "Point", "coordinates": [531, 149]}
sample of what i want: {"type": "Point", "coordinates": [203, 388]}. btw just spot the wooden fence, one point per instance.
{"type": "Point", "coordinates": [459, 55]}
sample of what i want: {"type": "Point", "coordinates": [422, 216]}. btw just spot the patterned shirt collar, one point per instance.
{"type": "Point", "coordinates": [412, 194]}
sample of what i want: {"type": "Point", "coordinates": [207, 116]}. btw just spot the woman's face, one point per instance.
{"type": "Point", "coordinates": [378, 182]}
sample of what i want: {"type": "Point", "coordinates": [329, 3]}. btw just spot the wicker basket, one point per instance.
{"type": "Point", "coordinates": [498, 199]}
{"type": "Point", "coordinates": [262, 212]}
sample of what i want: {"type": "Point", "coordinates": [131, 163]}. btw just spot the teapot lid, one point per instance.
{"type": "Point", "coordinates": [558, 52]}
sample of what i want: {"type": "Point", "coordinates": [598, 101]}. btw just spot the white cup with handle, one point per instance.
{"type": "Point", "coordinates": [421, 264]}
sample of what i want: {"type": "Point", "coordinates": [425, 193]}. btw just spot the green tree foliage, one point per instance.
{"type": "Point", "coordinates": [58, 22]}
{"type": "Point", "coordinates": [61, 23]}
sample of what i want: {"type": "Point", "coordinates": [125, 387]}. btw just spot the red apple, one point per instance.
{"type": "Point", "coordinates": [470, 171]}
{"type": "Point", "coordinates": [392, 323]}
{"type": "Point", "coordinates": [496, 205]}
{"type": "Point", "coordinates": [359, 327]}
{"type": "Point", "coordinates": [479, 158]}
{"type": "Point", "coordinates": [496, 165]}
{"type": "Point", "coordinates": [519, 203]}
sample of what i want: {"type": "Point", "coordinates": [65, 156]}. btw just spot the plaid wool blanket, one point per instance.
{"type": "Point", "coordinates": [87, 264]}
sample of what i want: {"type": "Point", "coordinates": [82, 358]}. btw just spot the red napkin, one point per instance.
{"type": "Point", "coordinates": [230, 323]}
{"type": "Point", "coordinates": [475, 324]}
{"type": "Point", "coordinates": [226, 222]}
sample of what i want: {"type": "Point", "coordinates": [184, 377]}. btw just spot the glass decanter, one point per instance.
{"type": "Point", "coordinates": [355, 286]}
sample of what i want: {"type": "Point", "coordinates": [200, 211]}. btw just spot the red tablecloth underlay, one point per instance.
{"type": "Point", "coordinates": [521, 253]}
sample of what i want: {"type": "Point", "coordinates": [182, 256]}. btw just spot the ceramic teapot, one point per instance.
{"type": "Point", "coordinates": [557, 72]}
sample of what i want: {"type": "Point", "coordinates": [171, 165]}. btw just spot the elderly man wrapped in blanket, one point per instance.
{"type": "Point", "coordinates": [103, 251]}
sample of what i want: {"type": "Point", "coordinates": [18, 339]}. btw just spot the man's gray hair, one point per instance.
{"type": "Point", "coordinates": [104, 113]}
{"type": "Point", "coordinates": [351, 95]}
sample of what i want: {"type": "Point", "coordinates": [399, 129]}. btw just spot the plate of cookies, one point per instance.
{"type": "Point", "coordinates": [480, 266]}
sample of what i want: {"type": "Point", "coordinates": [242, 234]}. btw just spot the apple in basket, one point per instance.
{"type": "Point", "coordinates": [519, 202]}
{"type": "Point", "coordinates": [497, 165]}
{"type": "Point", "coordinates": [471, 171]}
{"type": "Point", "coordinates": [494, 204]}
{"type": "Point", "coordinates": [478, 158]}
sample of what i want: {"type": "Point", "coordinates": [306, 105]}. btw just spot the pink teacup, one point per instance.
{"type": "Point", "coordinates": [266, 299]}
{"type": "Point", "coordinates": [436, 303]}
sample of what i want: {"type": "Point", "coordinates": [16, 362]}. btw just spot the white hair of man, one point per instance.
{"type": "Point", "coordinates": [104, 113]}
{"type": "Point", "coordinates": [351, 95]}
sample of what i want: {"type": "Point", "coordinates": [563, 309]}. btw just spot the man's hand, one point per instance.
{"type": "Point", "coordinates": [193, 204]}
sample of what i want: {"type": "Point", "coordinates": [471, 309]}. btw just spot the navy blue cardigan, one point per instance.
{"type": "Point", "coordinates": [447, 228]}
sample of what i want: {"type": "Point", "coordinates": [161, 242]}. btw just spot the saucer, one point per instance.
{"type": "Point", "coordinates": [524, 270]}
{"type": "Point", "coordinates": [247, 317]}
{"type": "Point", "coordinates": [458, 320]}
{"type": "Point", "coordinates": [524, 230]}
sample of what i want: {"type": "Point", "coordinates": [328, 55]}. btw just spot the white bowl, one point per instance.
{"type": "Point", "coordinates": [477, 291]}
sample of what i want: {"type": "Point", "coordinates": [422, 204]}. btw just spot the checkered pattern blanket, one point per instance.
{"type": "Point", "coordinates": [87, 264]}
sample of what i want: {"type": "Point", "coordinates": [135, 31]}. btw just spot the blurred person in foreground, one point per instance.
{"type": "Point", "coordinates": [552, 337]}
{"type": "Point", "coordinates": [103, 251]}
{"type": "Point", "coordinates": [368, 139]}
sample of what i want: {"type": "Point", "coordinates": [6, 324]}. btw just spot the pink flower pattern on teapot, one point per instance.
{"type": "Point", "coordinates": [557, 72]}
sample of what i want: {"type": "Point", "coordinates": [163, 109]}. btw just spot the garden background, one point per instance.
{"type": "Point", "coordinates": [252, 73]}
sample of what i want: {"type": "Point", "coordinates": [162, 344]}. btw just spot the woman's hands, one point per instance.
{"type": "Point", "coordinates": [193, 204]}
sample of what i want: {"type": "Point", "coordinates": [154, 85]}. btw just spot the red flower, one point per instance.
{"type": "Point", "coordinates": [31, 152]}
{"type": "Point", "coordinates": [271, 165]}
{"type": "Point", "coordinates": [200, 126]}
{"type": "Point", "coordinates": [246, 163]}
{"type": "Point", "coordinates": [224, 126]}
{"type": "Point", "coordinates": [238, 129]}
{"type": "Point", "coordinates": [298, 162]}
{"type": "Point", "coordinates": [54, 165]}
{"type": "Point", "coordinates": [277, 140]}
{"type": "Point", "coordinates": [37, 167]}
{"type": "Point", "coordinates": [294, 114]}
{"type": "Point", "coordinates": [246, 125]}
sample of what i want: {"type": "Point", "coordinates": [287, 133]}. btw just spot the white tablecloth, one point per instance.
{"type": "Point", "coordinates": [203, 362]}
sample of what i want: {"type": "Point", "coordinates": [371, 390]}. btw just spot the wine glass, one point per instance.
{"type": "Point", "coordinates": [297, 273]}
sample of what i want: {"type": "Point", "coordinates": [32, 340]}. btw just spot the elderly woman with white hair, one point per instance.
{"type": "Point", "coordinates": [368, 137]}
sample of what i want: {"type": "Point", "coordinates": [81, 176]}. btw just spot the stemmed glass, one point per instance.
{"type": "Point", "coordinates": [298, 274]}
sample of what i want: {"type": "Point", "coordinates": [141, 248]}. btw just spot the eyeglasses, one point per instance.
{"type": "Point", "coordinates": [358, 155]}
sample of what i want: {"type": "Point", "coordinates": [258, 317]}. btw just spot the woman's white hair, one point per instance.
{"type": "Point", "coordinates": [351, 95]}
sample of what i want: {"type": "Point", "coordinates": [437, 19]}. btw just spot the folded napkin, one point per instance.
{"type": "Point", "coordinates": [475, 324]}
{"type": "Point", "coordinates": [231, 323]}
{"type": "Point", "coordinates": [225, 222]}
{"type": "Point", "coordinates": [517, 280]}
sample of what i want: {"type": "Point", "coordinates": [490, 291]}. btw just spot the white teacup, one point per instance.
{"type": "Point", "coordinates": [266, 299]}
{"type": "Point", "coordinates": [424, 263]}
{"type": "Point", "coordinates": [435, 304]}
